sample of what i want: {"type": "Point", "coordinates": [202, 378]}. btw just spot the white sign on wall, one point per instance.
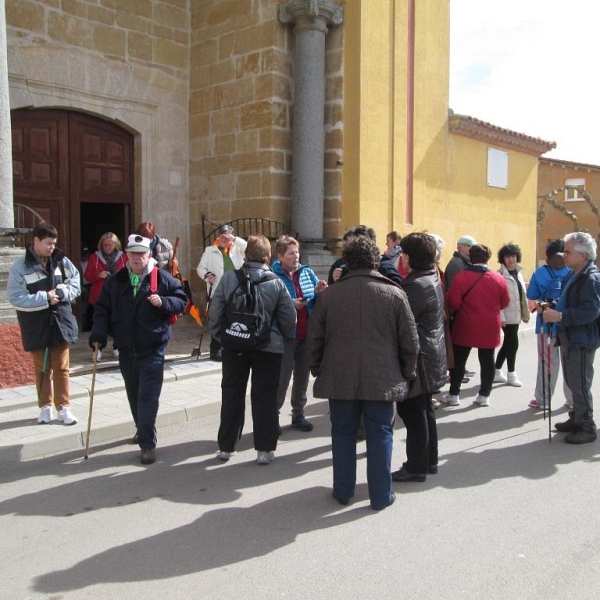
{"type": "Point", "coordinates": [497, 168]}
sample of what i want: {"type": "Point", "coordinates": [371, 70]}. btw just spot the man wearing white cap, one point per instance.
{"type": "Point", "coordinates": [136, 316]}
{"type": "Point", "coordinates": [460, 259]}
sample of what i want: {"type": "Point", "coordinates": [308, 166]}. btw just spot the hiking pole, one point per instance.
{"type": "Point", "coordinates": [549, 370]}
{"type": "Point", "coordinates": [542, 350]}
{"type": "Point", "coordinates": [86, 452]}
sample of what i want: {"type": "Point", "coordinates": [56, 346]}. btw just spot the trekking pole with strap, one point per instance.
{"type": "Point", "coordinates": [86, 452]}
{"type": "Point", "coordinates": [197, 351]}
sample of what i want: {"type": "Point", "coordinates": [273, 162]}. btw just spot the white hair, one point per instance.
{"type": "Point", "coordinates": [584, 243]}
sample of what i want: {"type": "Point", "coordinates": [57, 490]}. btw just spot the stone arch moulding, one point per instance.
{"type": "Point", "coordinates": [139, 118]}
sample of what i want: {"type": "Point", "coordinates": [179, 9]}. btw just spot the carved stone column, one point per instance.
{"type": "Point", "coordinates": [310, 20]}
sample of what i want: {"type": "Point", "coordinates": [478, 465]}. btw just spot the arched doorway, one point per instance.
{"type": "Point", "coordinates": [76, 171]}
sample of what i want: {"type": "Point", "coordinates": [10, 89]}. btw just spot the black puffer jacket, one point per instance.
{"type": "Point", "coordinates": [136, 326]}
{"type": "Point", "coordinates": [426, 299]}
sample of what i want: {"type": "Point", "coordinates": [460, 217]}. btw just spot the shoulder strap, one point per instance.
{"type": "Point", "coordinates": [154, 280]}
{"type": "Point", "coordinates": [473, 285]}
{"type": "Point", "coordinates": [551, 271]}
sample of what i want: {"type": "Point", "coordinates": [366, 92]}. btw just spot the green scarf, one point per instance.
{"type": "Point", "coordinates": [135, 282]}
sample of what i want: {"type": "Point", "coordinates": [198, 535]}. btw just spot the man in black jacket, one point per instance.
{"type": "Point", "coordinates": [137, 318]}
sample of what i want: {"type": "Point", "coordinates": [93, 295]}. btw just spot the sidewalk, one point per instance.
{"type": "Point", "coordinates": [191, 389]}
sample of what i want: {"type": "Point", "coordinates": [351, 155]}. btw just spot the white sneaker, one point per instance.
{"type": "Point", "coordinates": [224, 456]}
{"type": "Point", "coordinates": [45, 415]}
{"type": "Point", "coordinates": [98, 356]}
{"type": "Point", "coordinates": [500, 377]}
{"type": "Point", "coordinates": [450, 400]}
{"type": "Point", "coordinates": [116, 353]}
{"type": "Point", "coordinates": [264, 458]}
{"type": "Point", "coordinates": [469, 373]}
{"type": "Point", "coordinates": [482, 400]}
{"type": "Point", "coordinates": [66, 416]}
{"type": "Point", "coordinates": [513, 379]}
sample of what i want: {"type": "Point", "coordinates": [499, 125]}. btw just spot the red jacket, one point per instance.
{"type": "Point", "coordinates": [95, 266]}
{"type": "Point", "coordinates": [477, 312]}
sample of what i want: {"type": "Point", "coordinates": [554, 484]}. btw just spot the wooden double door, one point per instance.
{"type": "Point", "coordinates": [75, 171]}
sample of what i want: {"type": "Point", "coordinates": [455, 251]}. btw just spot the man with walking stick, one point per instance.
{"type": "Point", "coordinates": [134, 307]}
{"type": "Point", "coordinates": [41, 286]}
{"type": "Point", "coordinates": [576, 315]}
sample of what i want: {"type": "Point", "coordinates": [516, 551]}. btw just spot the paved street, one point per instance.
{"type": "Point", "coordinates": [504, 518]}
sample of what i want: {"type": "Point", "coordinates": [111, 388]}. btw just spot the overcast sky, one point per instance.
{"type": "Point", "coordinates": [531, 66]}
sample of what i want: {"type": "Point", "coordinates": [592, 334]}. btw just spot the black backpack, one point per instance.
{"type": "Point", "coordinates": [246, 324]}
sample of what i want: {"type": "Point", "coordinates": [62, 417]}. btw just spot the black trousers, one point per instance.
{"type": "Point", "coordinates": [421, 433]}
{"type": "Point", "coordinates": [508, 350]}
{"type": "Point", "coordinates": [265, 367]}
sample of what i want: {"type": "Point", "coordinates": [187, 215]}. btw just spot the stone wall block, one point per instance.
{"type": "Point", "coordinates": [70, 30]}
{"type": "Point", "coordinates": [276, 60]}
{"type": "Point", "coordinates": [273, 86]}
{"type": "Point", "coordinates": [334, 61]}
{"type": "Point", "coordinates": [204, 100]}
{"type": "Point", "coordinates": [248, 185]}
{"type": "Point", "coordinates": [25, 15]}
{"type": "Point", "coordinates": [171, 16]}
{"type": "Point", "coordinates": [139, 46]}
{"type": "Point", "coordinates": [109, 40]}
{"type": "Point", "coordinates": [259, 37]}
{"type": "Point", "coordinates": [235, 93]}
{"type": "Point", "coordinates": [225, 121]}
{"type": "Point", "coordinates": [247, 141]}
{"type": "Point", "coordinates": [263, 114]}
{"type": "Point", "coordinates": [162, 32]}
{"type": "Point", "coordinates": [276, 138]}
{"type": "Point", "coordinates": [276, 185]}
{"type": "Point", "coordinates": [216, 165]}
{"type": "Point", "coordinates": [221, 72]}
{"type": "Point", "coordinates": [225, 144]}
{"type": "Point", "coordinates": [334, 88]}
{"type": "Point", "coordinates": [256, 161]}
{"type": "Point", "coordinates": [127, 21]}
{"type": "Point", "coordinates": [204, 53]}
{"type": "Point", "coordinates": [139, 8]}
{"type": "Point", "coordinates": [199, 125]}
{"type": "Point", "coordinates": [249, 64]}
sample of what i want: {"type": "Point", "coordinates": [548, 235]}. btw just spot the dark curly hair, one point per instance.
{"type": "Point", "coordinates": [479, 254]}
{"type": "Point", "coordinates": [554, 247]}
{"type": "Point", "coordinates": [359, 230]}
{"type": "Point", "coordinates": [421, 250]}
{"type": "Point", "coordinates": [360, 252]}
{"type": "Point", "coordinates": [509, 249]}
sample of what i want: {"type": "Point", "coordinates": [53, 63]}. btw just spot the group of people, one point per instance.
{"type": "Point", "coordinates": [380, 337]}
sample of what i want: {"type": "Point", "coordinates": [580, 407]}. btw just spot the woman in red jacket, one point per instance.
{"type": "Point", "coordinates": [476, 297]}
{"type": "Point", "coordinates": [106, 261]}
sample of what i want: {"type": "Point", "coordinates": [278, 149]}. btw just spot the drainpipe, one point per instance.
{"type": "Point", "coordinates": [410, 112]}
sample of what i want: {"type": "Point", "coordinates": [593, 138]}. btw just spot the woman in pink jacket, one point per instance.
{"type": "Point", "coordinates": [476, 297]}
{"type": "Point", "coordinates": [106, 261]}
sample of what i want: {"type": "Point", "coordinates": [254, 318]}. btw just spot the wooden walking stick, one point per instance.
{"type": "Point", "coordinates": [86, 453]}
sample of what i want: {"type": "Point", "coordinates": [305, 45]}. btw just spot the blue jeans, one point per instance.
{"type": "Point", "coordinates": [379, 431]}
{"type": "Point", "coordinates": [143, 379]}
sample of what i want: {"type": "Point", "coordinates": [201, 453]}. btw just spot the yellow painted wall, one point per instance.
{"type": "Point", "coordinates": [450, 194]}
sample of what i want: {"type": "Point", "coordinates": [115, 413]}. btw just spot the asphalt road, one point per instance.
{"type": "Point", "coordinates": [509, 515]}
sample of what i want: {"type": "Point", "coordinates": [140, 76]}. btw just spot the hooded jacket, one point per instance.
{"type": "Point", "coordinates": [28, 285]}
